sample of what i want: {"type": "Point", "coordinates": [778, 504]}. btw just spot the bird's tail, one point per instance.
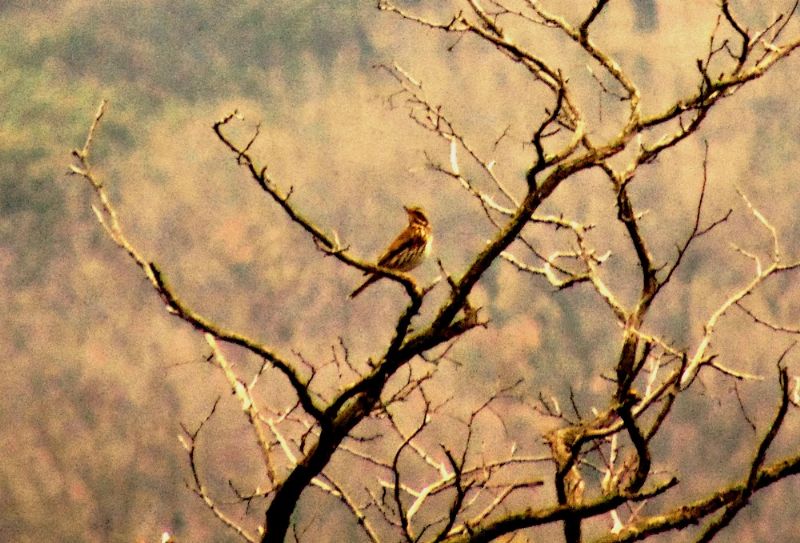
{"type": "Point", "coordinates": [371, 279]}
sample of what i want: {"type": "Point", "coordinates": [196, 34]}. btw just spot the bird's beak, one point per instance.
{"type": "Point", "coordinates": [408, 210]}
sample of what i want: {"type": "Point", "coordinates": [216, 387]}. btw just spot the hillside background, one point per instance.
{"type": "Point", "coordinates": [96, 377]}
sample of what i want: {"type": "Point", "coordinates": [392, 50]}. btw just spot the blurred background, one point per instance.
{"type": "Point", "coordinates": [96, 376]}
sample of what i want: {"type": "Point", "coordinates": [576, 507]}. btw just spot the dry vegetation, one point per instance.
{"type": "Point", "coordinates": [601, 348]}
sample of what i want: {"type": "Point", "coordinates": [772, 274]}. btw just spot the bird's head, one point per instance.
{"type": "Point", "coordinates": [416, 215]}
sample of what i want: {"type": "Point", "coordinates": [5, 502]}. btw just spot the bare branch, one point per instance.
{"type": "Point", "coordinates": [189, 443]}
{"type": "Point", "coordinates": [242, 393]}
{"type": "Point", "coordinates": [741, 500]}
{"type": "Point", "coordinates": [762, 273]}
{"type": "Point", "coordinates": [107, 216]}
{"type": "Point", "coordinates": [745, 37]}
{"type": "Point", "coordinates": [329, 244]}
{"type": "Point", "coordinates": [600, 457]}
{"type": "Point", "coordinates": [539, 517]}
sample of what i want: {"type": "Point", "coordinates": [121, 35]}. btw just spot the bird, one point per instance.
{"type": "Point", "coordinates": [407, 251]}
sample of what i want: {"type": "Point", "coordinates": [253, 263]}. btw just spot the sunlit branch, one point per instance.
{"type": "Point", "coordinates": [538, 517]}
{"type": "Point", "coordinates": [329, 244]}
{"type": "Point", "coordinates": [189, 442]}
{"type": "Point", "coordinates": [733, 508]}
{"type": "Point", "coordinates": [600, 459]}
{"type": "Point", "coordinates": [357, 511]}
{"type": "Point", "coordinates": [762, 273]}
{"type": "Point", "coordinates": [581, 36]}
{"type": "Point", "coordinates": [108, 218]}
{"type": "Point", "coordinates": [248, 405]}
{"type": "Point", "coordinates": [433, 118]}
{"type": "Point", "coordinates": [689, 514]}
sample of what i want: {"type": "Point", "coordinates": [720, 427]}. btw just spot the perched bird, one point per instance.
{"type": "Point", "coordinates": [408, 250]}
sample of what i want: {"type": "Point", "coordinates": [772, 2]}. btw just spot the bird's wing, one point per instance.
{"type": "Point", "coordinates": [402, 243]}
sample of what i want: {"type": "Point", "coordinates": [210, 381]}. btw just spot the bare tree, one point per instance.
{"type": "Point", "coordinates": [412, 484]}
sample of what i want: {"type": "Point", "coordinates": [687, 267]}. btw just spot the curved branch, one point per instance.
{"type": "Point", "coordinates": [690, 514]}
{"type": "Point", "coordinates": [328, 244]}
{"type": "Point", "coordinates": [109, 220]}
{"type": "Point", "coordinates": [539, 517]}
